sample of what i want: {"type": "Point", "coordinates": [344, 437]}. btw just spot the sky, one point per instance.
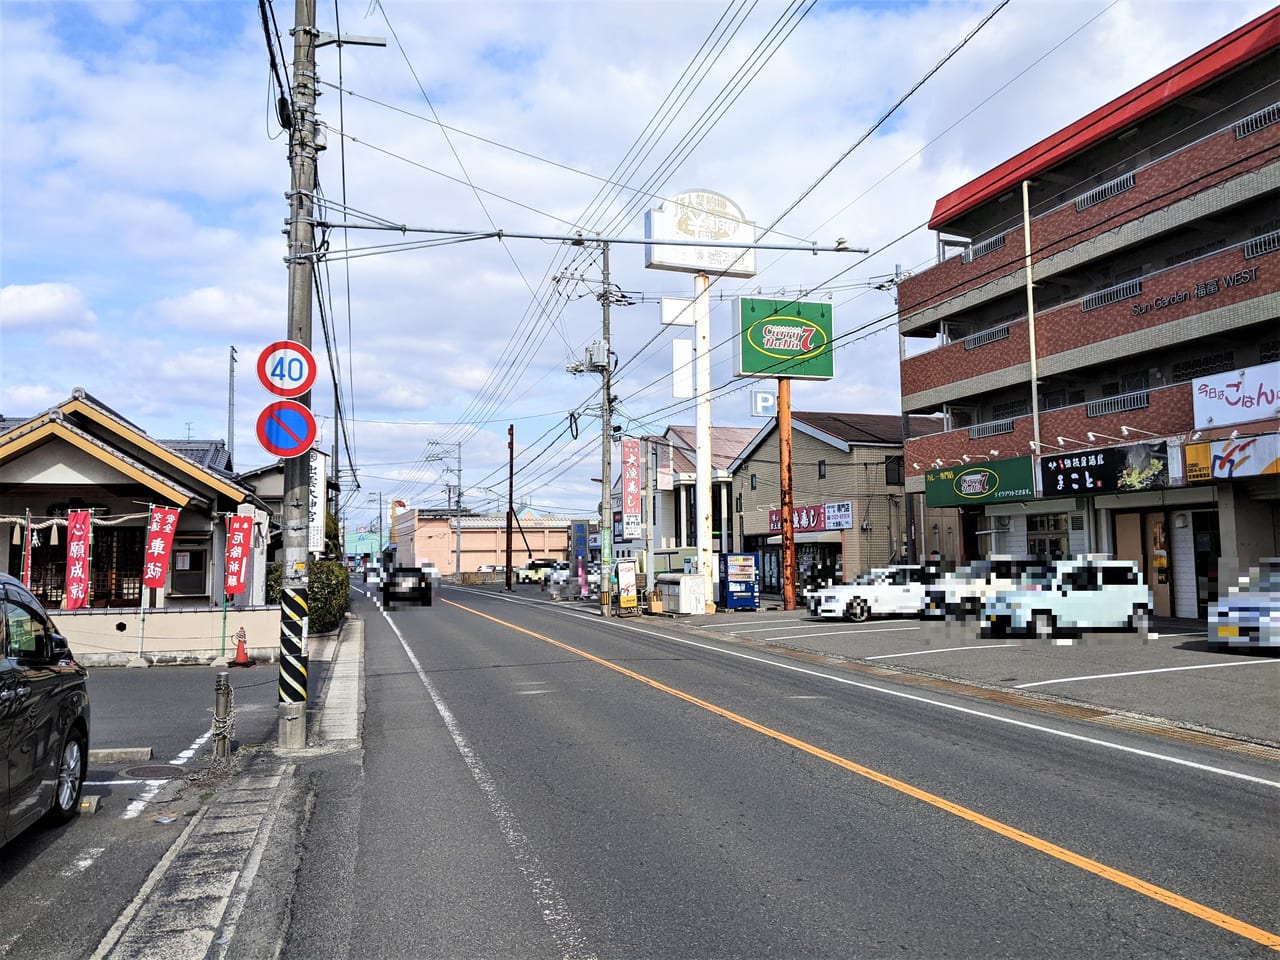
{"type": "Point", "coordinates": [144, 173]}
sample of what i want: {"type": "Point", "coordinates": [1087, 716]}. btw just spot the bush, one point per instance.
{"type": "Point", "coordinates": [328, 592]}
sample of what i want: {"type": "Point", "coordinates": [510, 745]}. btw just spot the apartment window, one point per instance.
{"type": "Point", "coordinates": [1204, 365]}
{"type": "Point", "coordinates": [822, 469]}
{"type": "Point", "coordinates": [894, 471]}
{"type": "Point", "coordinates": [753, 481]}
{"type": "Point", "coordinates": [1269, 351]}
{"type": "Point", "coordinates": [737, 504]}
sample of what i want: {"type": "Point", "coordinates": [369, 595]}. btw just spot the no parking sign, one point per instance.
{"type": "Point", "coordinates": [286, 429]}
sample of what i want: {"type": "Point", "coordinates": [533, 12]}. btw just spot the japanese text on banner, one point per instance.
{"type": "Point", "coordinates": [79, 539]}
{"type": "Point", "coordinates": [239, 539]}
{"type": "Point", "coordinates": [159, 541]}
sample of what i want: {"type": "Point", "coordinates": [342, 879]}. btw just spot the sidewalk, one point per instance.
{"type": "Point", "coordinates": [190, 904]}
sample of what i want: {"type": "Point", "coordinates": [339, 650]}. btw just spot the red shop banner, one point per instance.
{"type": "Point", "coordinates": [807, 519]}
{"type": "Point", "coordinates": [159, 541]}
{"type": "Point", "coordinates": [79, 543]}
{"type": "Point", "coordinates": [239, 532]}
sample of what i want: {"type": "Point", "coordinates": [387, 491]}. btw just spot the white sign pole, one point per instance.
{"type": "Point", "coordinates": [702, 430]}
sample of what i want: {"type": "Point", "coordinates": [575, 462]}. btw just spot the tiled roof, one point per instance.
{"type": "Point", "coordinates": [726, 444]}
{"type": "Point", "coordinates": [882, 428]}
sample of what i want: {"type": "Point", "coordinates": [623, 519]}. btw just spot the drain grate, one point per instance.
{"type": "Point", "coordinates": [157, 771]}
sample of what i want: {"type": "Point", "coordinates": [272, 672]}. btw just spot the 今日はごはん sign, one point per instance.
{"type": "Point", "coordinates": [784, 338]}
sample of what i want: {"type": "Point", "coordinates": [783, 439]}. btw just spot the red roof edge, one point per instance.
{"type": "Point", "coordinates": [1244, 44]}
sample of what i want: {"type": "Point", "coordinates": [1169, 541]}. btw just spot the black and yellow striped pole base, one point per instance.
{"type": "Point", "coordinates": [293, 668]}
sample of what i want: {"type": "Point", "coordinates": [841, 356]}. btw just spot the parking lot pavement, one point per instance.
{"type": "Point", "coordinates": [1169, 675]}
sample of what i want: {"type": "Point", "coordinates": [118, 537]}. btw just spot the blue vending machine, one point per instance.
{"type": "Point", "coordinates": [740, 581]}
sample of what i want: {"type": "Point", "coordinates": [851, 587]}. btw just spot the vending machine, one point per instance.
{"type": "Point", "coordinates": [740, 581]}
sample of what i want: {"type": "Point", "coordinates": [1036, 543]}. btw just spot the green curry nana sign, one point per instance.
{"type": "Point", "coordinates": [994, 482]}
{"type": "Point", "coordinates": [784, 338]}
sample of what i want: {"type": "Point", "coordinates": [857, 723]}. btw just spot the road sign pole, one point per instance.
{"type": "Point", "coordinates": [296, 504]}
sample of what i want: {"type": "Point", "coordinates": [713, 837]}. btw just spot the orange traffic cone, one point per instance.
{"type": "Point", "coordinates": [242, 655]}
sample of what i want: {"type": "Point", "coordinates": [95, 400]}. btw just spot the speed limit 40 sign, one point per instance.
{"type": "Point", "coordinates": [286, 368]}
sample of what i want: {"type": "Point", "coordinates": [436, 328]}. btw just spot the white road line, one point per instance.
{"type": "Point", "coordinates": [545, 890]}
{"type": "Point", "coordinates": [969, 711]}
{"type": "Point", "coordinates": [848, 632]}
{"type": "Point", "coordinates": [902, 695]}
{"type": "Point", "coordinates": [143, 800]}
{"type": "Point", "coordinates": [917, 653]}
{"type": "Point", "coordinates": [1138, 673]}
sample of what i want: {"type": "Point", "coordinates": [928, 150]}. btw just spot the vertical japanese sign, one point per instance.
{"type": "Point", "coordinates": [632, 496]}
{"type": "Point", "coordinates": [318, 504]}
{"type": "Point", "coordinates": [158, 543]}
{"type": "Point", "coordinates": [28, 536]}
{"type": "Point", "coordinates": [79, 548]}
{"type": "Point", "coordinates": [239, 539]}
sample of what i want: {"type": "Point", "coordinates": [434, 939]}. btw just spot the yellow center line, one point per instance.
{"type": "Point", "coordinates": [1168, 897]}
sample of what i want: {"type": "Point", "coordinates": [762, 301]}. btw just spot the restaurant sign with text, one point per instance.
{"type": "Point", "coordinates": [997, 481]}
{"type": "Point", "coordinates": [816, 518]}
{"type": "Point", "coordinates": [784, 338]}
{"type": "Point", "coordinates": [1128, 469]}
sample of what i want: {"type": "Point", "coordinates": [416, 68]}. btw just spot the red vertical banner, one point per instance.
{"type": "Point", "coordinates": [79, 547]}
{"type": "Point", "coordinates": [632, 495]}
{"type": "Point", "coordinates": [159, 541]}
{"type": "Point", "coordinates": [239, 539]}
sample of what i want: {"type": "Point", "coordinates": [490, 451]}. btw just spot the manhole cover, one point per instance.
{"type": "Point", "coordinates": [158, 771]}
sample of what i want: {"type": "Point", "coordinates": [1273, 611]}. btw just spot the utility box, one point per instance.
{"type": "Point", "coordinates": [683, 593]}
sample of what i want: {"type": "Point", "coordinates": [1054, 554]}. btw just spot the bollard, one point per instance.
{"type": "Point", "coordinates": [222, 716]}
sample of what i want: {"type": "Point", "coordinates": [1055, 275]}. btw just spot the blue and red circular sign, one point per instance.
{"type": "Point", "coordinates": [286, 429]}
{"type": "Point", "coordinates": [286, 368]}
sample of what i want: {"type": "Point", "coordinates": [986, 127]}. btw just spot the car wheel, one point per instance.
{"type": "Point", "coordinates": [1140, 622]}
{"type": "Point", "coordinates": [1042, 625]}
{"type": "Point", "coordinates": [72, 764]}
{"type": "Point", "coordinates": [857, 610]}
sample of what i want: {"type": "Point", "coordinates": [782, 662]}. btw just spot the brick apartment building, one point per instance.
{"type": "Point", "coordinates": [1125, 397]}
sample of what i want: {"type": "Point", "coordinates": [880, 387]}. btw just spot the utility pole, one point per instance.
{"type": "Point", "coordinates": [457, 563]}
{"type": "Point", "coordinates": [606, 444]}
{"type": "Point", "coordinates": [296, 500]}
{"type": "Point", "coordinates": [511, 493]}
{"type": "Point", "coordinates": [231, 409]}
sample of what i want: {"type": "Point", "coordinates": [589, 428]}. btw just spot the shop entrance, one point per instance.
{"type": "Point", "coordinates": [1144, 539]}
{"type": "Point", "coordinates": [1208, 548]}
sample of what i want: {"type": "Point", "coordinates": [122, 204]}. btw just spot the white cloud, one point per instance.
{"type": "Point", "coordinates": [45, 305]}
{"type": "Point", "coordinates": [149, 189]}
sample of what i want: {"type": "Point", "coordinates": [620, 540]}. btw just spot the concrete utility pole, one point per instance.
{"type": "Point", "coordinates": [296, 500]}
{"type": "Point", "coordinates": [457, 564]}
{"type": "Point", "coordinates": [606, 444]}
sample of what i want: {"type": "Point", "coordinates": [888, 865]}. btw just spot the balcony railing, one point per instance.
{"type": "Point", "coordinates": [1106, 191]}
{"type": "Point", "coordinates": [983, 247]}
{"type": "Point", "coordinates": [1137, 400]}
{"type": "Point", "coordinates": [982, 337]}
{"type": "Point", "coordinates": [1104, 298]}
{"type": "Point", "coordinates": [1260, 246]}
{"type": "Point", "coordinates": [1258, 121]}
{"type": "Point", "coordinates": [992, 429]}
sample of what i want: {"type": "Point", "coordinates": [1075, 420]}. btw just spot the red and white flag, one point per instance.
{"type": "Point", "coordinates": [239, 540]}
{"type": "Point", "coordinates": [79, 546]}
{"type": "Point", "coordinates": [159, 541]}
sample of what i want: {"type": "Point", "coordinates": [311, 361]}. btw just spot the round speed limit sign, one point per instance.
{"type": "Point", "coordinates": [286, 368]}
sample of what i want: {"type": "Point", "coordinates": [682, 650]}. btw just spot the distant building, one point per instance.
{"type": "Point", "coordinates": [1152, 341]}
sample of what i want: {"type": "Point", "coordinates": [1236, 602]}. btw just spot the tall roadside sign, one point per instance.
{"type": "Point", "coordinates": [787, 339]}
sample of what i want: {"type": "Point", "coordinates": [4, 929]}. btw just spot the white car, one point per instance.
{"type": "Point", "coordinates": [959, 595]}
{"type": "Point", "coordinates": [1071, 596]}
{"type": "Point", "coordinates": [887, 590]}
{"type": "Point", "coordinates": [1249, 615]}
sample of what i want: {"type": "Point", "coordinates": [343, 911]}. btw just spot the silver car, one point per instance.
{"type": "Point", "coordinates": [1249, 615]}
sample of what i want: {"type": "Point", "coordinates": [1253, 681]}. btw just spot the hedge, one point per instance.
{"type": "Point", "coordinates": [328, 592]}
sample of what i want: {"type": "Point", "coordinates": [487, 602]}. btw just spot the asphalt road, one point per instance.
{"type": "Point", "coordinates": [536, 782]}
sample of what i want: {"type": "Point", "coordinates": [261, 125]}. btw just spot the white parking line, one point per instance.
{"type": "Point", "coordinates": [847, 632]}
{"type": "Point", "coordinates": [916, 653]}
{"type": "Point", "coordinates": [1138, 673]}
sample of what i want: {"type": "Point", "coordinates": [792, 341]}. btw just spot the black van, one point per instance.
{"type": "Point", "coordinates": [44, 715]}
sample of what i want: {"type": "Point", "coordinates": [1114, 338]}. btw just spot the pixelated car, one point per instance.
{"type": "Point", "coordinates": [960, 594]}
{"type": "Point", "coordinates": [896, 590]}
{"type": "Point", "coordinates": [1069, 597]}
{"type": "Point", "coordinates": [1249, 615]}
